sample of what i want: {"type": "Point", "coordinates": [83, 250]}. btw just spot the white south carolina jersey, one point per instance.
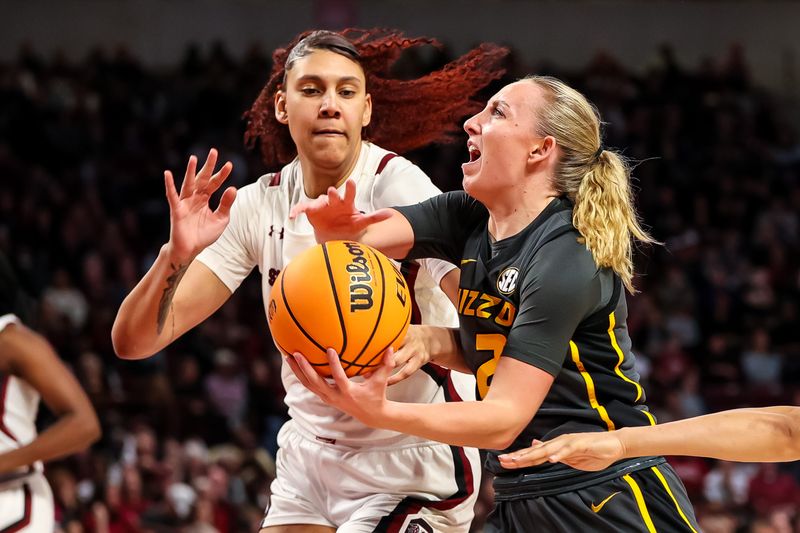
{"type": "Point", "coordinates": [261, 234]}
{"type": "Point", "coordinates": [19, 403]}
{"type": "Point", "coordinates": [26, 502]}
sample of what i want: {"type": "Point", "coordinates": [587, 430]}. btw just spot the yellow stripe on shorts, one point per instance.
{"type": "Point", "coordinates": [637, 495]}
{"type": "Point", "coordinates": [669, 491]}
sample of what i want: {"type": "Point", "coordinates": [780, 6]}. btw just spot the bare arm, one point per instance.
{"type": "Point", "coordinates": [517, 391]}
{"type": "Point", "coordinates": [752, 435]}
{"type": "Point", "coordinates": [177, 292]}
{"type": "Point", "coordinates": [171, 299]}
{"type": "Point", "coordinates": [27, 355]}
{"type": "Point", "coordinates": [428, 344]}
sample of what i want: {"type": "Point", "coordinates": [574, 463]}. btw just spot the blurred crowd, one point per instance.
{"type": "Point", "coordinates": [189, 435]}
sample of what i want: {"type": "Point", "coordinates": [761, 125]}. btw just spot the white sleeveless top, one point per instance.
{"type": "Point", "coordinates": [19, 403]}
{"type": "Point", "coordinates": [261, 234]}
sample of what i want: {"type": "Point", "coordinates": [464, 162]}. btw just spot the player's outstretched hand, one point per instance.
{"type": "Point", "coordinates": [193, 225]}
{"type": "Point", "coordinates": [412, 355]}
{"type": "Point", "coordinates": [584, 451]}
{"type": "Point", "coordinates": [335, 217]}
{"type": "Point", "coordinates": [364, 400]}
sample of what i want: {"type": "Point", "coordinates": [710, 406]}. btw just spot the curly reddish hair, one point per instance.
{"type": "Point", "coordinates": [406, 114]}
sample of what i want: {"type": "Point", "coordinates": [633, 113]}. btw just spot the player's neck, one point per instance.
{"type": "Point", "coordinates": [516, 211]}
{"type": "Point", "coordinates": [316, 179]}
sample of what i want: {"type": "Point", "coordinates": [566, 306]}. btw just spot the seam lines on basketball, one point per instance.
{"type": "Point", "coordinates": [294, 319]}
{"type": "Point", "coordinates": [336, 300]}
{"type": "Point", "coordinates": [284, 350]}
{"type": "Point", "coordinates": [380, 313]}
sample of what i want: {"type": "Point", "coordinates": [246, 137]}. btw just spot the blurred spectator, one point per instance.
{"type": "Point", "coordinates": [727, 485]}
{"type": "Point", "coordinates": [770, 490]}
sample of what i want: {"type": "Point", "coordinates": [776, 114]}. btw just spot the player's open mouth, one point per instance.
{"type": "Point", "coordinates": [473, 165]}
{"type": "Point", "coordinates": [474, 153]}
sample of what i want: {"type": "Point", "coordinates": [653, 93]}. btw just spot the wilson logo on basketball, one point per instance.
{"type": "Point", "coordinates": [341, 295]}
{"type": "Point", "coordinates": [507, 280]}
{"type": "Point", "coordinates": [360, 278]}
{"type": "Point", "coordinates": [402, 288]}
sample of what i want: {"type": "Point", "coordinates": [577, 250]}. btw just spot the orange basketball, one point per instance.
{"type": "Point", "coordinates": [342, 295]}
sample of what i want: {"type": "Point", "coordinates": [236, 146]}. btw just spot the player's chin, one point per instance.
{"type": "Point", "coordinates": [474, 186]}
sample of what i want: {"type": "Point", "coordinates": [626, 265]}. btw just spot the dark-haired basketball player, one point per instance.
{"type": "Point", "coordinates": [30, 370]}
{"type": "Point", "coordinates": [333, 472]}
{"type": "Point", "coordinates": [543, 234]}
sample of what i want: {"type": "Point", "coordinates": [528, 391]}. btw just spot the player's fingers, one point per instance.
{"type": "Point", "coordinates": [315, 382]}
{"type": "Point", "coordinates": [333, 196]}
{"type": "Point", "coordinates": [376, 216]}
{"type": "Point", "coordinates": [403, 355]}
{"type": "Point", "coordinates": [298, 209]}
{"type": "Point", "coordinates": [387, 365]}
{"type": "Point", "coordinates": [301, 377]}
{"type": "Point", "coordinates": [304, 207]}
{"type": "Point", "coordinates": [338, 373]}
{"type": "Point", "coordinates": [225, 202]}
{"type": "Point", "coordinates": [169, 187]}
{"type": "Point", "coordinates": [557, 452]}
{"type": "Point", "coordinates": [187, 187]}
{"type": "Point", "coordinates": [399, 376]}
{"type": "Point", "coordinates": [219, 177]}
{"type": "Point", "coordinates": [210, 163]}
{"type": "Point", "coordinates": [349, 192]}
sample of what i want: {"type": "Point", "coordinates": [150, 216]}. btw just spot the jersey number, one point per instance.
{"type": "Point", "coordinates": [492, 342]}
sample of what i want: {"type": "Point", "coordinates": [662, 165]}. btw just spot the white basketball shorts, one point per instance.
{"type": "Point", "coordinates": [417, 488]}
{"type": "Point", "coordinates": [26, 505]}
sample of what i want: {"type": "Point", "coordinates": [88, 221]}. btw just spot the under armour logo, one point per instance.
{"type": "Point", "coordinates": [272, 230]}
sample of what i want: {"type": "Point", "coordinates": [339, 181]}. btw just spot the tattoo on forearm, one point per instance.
{"type": "Point", "coordinates": [165, 305]}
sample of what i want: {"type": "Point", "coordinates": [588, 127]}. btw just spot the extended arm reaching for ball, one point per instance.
{"type": "Point", "coordinates": [335, 217]}
{"type": "Point", "coordinates": [769, 434]}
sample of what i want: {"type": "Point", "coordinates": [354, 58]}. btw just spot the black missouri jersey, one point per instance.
{"type": "Point", "coordinates": [538, 297]}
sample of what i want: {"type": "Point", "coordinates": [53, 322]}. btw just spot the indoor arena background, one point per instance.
{"type": "Point", "coordinates": [97, 98]}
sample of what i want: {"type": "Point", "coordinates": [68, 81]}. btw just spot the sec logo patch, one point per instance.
{"type": "Point", "coordinates": [507, 280]}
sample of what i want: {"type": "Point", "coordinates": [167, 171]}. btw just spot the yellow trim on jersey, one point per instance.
{"type": "Point", "coordinates": [677, 506]}
{"type": "Point", "coordinates": [637, 495]}
{"type": "Point", "coordinates": [576, 358]}
{"type": "Point", "coordinates": [612, 321]}
{"type": "Point", "coordinates": [465, 261]}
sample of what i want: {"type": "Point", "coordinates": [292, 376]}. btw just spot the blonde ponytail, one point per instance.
{"type": "Point", "coordinates": [606, 218]}
{"type": "Point", "coordinates": [596, 180]}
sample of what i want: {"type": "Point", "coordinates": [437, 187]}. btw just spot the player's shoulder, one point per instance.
{"type": "Point", "coordinates": [565, 257]}
{"type": "Point", "coordinates": [270, 185]}
{"type": "Point", "coordinates": [386, 163]}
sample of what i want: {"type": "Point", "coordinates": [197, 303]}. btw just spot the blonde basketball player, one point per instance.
{"type": "Point", "coordinates": [333, 472]}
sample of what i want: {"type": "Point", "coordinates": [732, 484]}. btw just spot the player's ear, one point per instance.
{"type": "Point", "coordinates": [542, 150]}
{"type": "Point", "coordinates": [281, 113]}
{"type": "Point", "coordinates": [367, 116]}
